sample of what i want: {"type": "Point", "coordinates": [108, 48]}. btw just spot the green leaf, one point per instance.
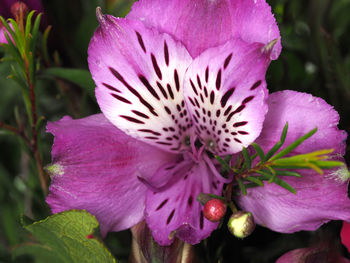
{"type": "Point", "coordinates": [293, 145]}
{"type": "Point", "coordinates": [287, 173]}
{"type": "Point", "coordinates": [247, 158]}
{"type": "Point", "coordinates": [79, 77]}
{"type": "Point", "coordinates": [255, 179]}
{"type": "Point", "coordinates": [225, 167]}
{"type": "Point", "coordinates": [66, 237]}
{"type": "Point", "coordinates": [35, 32]}
{"type": "Point", "coordinates": [259, 151]}
{"type": "Point", "coordinates": [29, 23]}
{"type": "Point", "coordinates": [242, 186]}
{"type": "Point", "coordinates": [279, 144]}
{"type": "Point", "coordinates": [284, 184]}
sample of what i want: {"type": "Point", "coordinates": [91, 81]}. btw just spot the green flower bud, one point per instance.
{"type": "Point", "coordinates": [241, 224]}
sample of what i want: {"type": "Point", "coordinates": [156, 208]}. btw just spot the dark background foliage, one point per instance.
{"type": "Point", "coordinates": [315, 59]}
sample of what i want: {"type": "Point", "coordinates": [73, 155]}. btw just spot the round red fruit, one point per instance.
{"type": "Point", "coordinates": [214, 210]}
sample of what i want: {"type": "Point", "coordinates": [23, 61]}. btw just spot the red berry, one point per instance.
{"type": "Point", "coordinates": [214, 210]}
{"type": "Point", "coordinates": [90, 236]}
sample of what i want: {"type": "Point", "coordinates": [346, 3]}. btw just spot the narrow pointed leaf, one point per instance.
{"type": "Point", "coordinates": [293, 145]}
{"type": "Point", "coordinates": [284, 184]}
{"type": "Point", "coordinates": [242, 186]}
{"type": "Point", "coordinates": [287, 173]}
{"type": "Point", "coordinates": [225, 166]}
{"type": "Point", "coordinates": [254, 179]}
{"type": "Point", "coordinates": [259, 151]}
{"type": "Point", "coordinates": [247, 158]}
{"type": "Point", "coordinates": [29, 23]}
{"type": "Point", "coordinates": [35, 31]}
{"type": "Point", "coordinates": [279, 144]}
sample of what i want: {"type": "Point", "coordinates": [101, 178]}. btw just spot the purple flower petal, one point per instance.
{"type": "Point", "coordinates": [200, 25]}
{"type": "Point", "coordinates": [96, 167]}
{"type": "Point", "coordinates": [139, 75]}
{"type": "Point", "coordinates": [225, 91]}
{"type": "Point", "coordinates": [318, 198]}
{"type": "Point", "coordinates": [175, 211]}
{"type": "Point", "coordinates": [303, 112]}
{"type": "Point", "coordinates": [312, 254]}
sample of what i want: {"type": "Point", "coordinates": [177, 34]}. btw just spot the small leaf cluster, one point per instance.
{"type": "Point", "coordinates": [252, 167]}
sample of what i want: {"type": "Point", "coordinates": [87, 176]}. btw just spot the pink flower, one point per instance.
{"type": "Point", "coordinates": [178, 81]}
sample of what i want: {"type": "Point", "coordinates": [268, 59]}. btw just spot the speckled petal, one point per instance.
{"type": "Point", "coordinates": [225, 92]}
{"type": "Point", "coordinates": [95, 166]}
{"type": "Point", "coordinates": [176, 212]}
{"type": "Point", "coordinates": [139, 74]}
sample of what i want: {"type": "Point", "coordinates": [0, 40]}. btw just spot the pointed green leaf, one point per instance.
{"type": "Point", "coordinates": [35, 32]}
{"type": "Point", "coordinates": [242, 186]}
{"type": "Point", "coordinates": [284, 184]}
{"type": "Point", "coordinates": [247, 158]}
{"type": "Point", "coordinates": [255, 179]}
{"type": "Point", "coordinates": [29, 23]}
{"type": "Point", "coordinates": [68, 237]}
{"type": "Point", "coordinates": [287, 173]}
{"type": "Point", "coordinates": [293, 145]}
{"type": "Point", "coordinates": [259, 151]}
{"type": "Point", "coordinates": [225, 167]}
{"type": "Point", "coordinates": [279, 144]}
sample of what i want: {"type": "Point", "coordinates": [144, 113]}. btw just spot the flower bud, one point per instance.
{"type": "Point", "coordinates": [214, 210]}
{"type": "Point", "coordinates": [241, 224]}
{"type": "Point", "coordinates": [19, 9]}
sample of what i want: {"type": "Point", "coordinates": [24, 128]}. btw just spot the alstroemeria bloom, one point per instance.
{"type": "Point", "coordinates": [177, 81]}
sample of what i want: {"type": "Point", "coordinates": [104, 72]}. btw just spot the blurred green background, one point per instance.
{"type": "Point", "coordinates": [315, 59]}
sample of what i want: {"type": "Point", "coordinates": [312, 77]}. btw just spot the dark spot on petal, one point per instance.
{"type": "Point", "coordinates": [255, 85]}
{"type": "Point", "coordinates": [227, 60]}
{"type": "Point", "coordinates": [246, 100]}
{"type": "Point", "coordinates": [170, 91]}
{"type": "Point", "coordinates": [170, 217]}
{"type": "Point", "coordinates": [131, 119]}
{"type": "Point", "coordinates": [122, 99]}
{"type": "Point", "coordinates": [111, 87]}
{"type": "Point", "coordinates": [243, 132]}
{"type": "Point", "coordinates": [162, 90]}
{"type": "Point", "coordinates": [193, 87]}
{"type": "Point", "coordinates": [139, 38]}
{"type": "Point", "coordinates": [199, 82]}
{"type": "Point", "coordinates": [162, 204]}
{"type": "Point", "coordinates": [190, 201]}
{"type": "Point", "coordinates": [218, 80]}
{"type": "Point", "coordinates": [226, 96]}
{"type": "Point", "coordinates": [176, 79]}
{"type": "Point", "coordinates": [212, 97]}
{"type": "Point", "coordinates": [238, 124]}
{"type": "Point", "coordinates": [166, 53]}
{"type": "Point", "coordinates": [156, 67]}
{"type": "Point", "coordinates": [227, 110]}
{"type": "Point", "coordinates": [207, 74]}
{"type": "Point", "coordinates": [140, 114]}
{"type": "Point", "coordinates": [237, 140]}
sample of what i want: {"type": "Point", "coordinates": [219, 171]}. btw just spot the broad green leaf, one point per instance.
{"type": "Point", "coordinates": [66, 237]}
{"type": "Point", "coordinates": [79, 77]}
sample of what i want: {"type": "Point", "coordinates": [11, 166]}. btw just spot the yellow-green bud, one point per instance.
{"type": "Point", "coordinates": [241, 224]}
